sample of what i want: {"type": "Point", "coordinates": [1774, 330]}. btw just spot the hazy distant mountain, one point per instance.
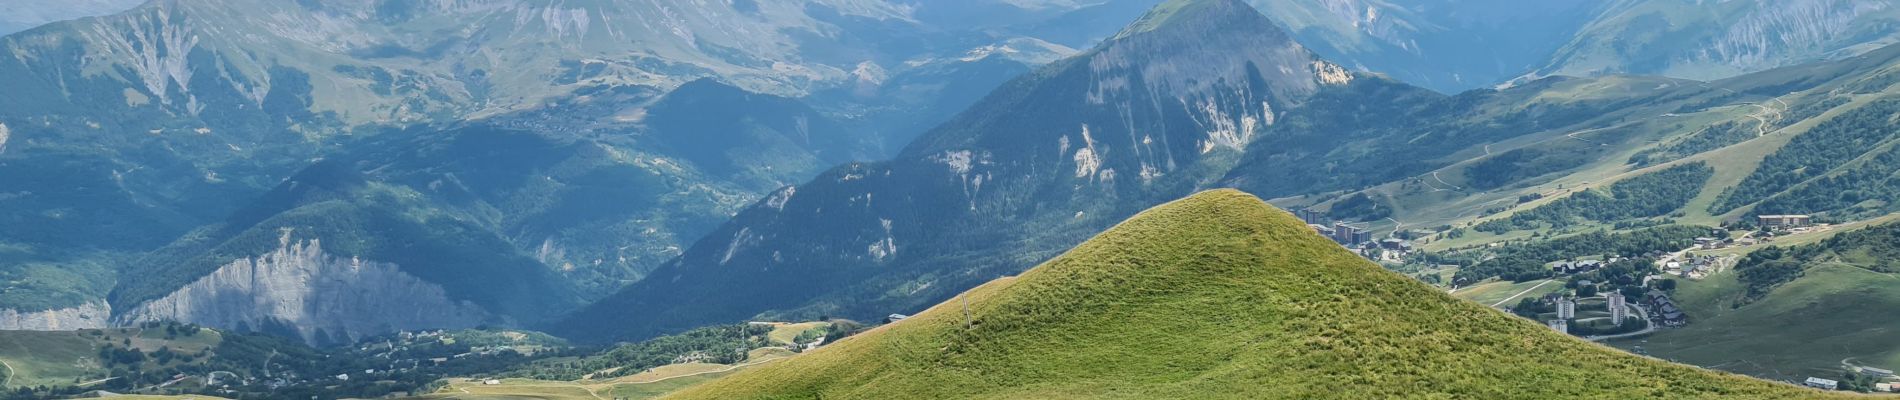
{"type": "Point", "coordinates": [19, 15]}
{"type": "Point", "coordinates": [1154, 112]}
{"type": "Point", "coordinates": [1719, 39]}
{"type": "Point", "coordinates": [643, 124]}
{"type": "Point", "coordinates": [1448, 46]}
{"type": "Point", "coordinates": [1452, 46]}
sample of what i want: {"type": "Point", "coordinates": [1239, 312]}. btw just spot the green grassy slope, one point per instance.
{"type": "Point", "coordinates": [1796, 311]}
{"type": "Point", "coordinates": [1219, 296]}
{"type": "Point", "coordinates": [44, 358]}
{"type": "Point", "coordinates": [62, 358]}
{"type": "Point", "coordinates": [1804, 328]}
{"type": "Point", "coordinates": [1506, 291]}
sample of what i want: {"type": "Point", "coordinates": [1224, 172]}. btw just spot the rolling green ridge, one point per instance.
{"type": "Point", "coordinates": [1219, 296]}
{"type": "Point", "coordinates": [1792, 312]}
{"type": "Point", "coordinates": [1655, 194]}
{"type": "Point", "coordinates": [1806, 327]}
{"type": "Point", "coordinates": [1872, 249]}
{"type": "Point", "coordinates": [1824, 148]}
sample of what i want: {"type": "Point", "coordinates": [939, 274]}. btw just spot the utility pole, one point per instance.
{"type": "Point", "coordinates": [966, 309]}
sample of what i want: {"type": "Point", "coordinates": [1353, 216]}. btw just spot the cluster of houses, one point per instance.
{"type": "Point", "coordinates": [1693, 267]}
{"type": "Point", "coordinates": [1830, 384]}
{"type": "Point", "coordinates": [1577, 267]}
{"type": "Point", "coordinates": [1664, 309]}
{"type": "Point", "coordinates": [1885, 379]}
{"type": "Point", "coordinates": [1709, 243]}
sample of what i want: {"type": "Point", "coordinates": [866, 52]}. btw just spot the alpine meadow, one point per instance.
{"type": "Point", "coordinates": [934, 199]}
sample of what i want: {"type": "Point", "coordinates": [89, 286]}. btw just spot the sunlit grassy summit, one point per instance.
{"type": "Point", "coordinates": [1220, 296]}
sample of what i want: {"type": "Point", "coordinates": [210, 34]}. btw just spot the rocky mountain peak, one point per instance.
{"type": "Point", "coordinates": [1196, 16]}
{"type": "Point", "coordinates": [1187, 48]}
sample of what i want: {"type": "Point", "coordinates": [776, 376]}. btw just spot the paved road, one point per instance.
{"type": "Point", "coordinates": [1514, 297]}
{"type": "Point", "coordinates": [727, 369]}
{"type": "Point", "coordinates": [1640, 313]}
{"type": "Point", "coordinates": [96, 381]}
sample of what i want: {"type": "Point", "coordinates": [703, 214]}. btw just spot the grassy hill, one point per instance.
{"type": "Point", "coordinates": [1795, 311]}
{"type": "Point", "coordinates": [36, 358]}
{"type": "Point", "coordinates": [1218, 295]}
{"type": "Point", "coordinates": [1803, 328]}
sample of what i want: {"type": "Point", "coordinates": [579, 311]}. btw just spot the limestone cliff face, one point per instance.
{"type": "Point", "coordinates": [86, 316]}
{"type": "Point", "coordinates": [320, 297]}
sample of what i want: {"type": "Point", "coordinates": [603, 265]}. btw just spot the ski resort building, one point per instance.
{"type": "Point", "coordinates": [1784, 221]}
{"type": "Point", "coordinates": [1818, 383]}
{"type": "Point", "coordinates": [1618, 308]}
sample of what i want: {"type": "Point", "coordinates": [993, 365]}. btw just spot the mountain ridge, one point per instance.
{"type": "Point", "coordinates": [1099, 129]}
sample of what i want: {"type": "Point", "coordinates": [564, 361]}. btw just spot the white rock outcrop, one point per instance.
{"type": "Point", "coordinates": [320, 296]}
{"type": "Point", "coordinates": [92, 315]}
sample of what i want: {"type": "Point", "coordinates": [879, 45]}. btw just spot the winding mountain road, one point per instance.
{"type": "Point", "coordinates": [1442, 182]}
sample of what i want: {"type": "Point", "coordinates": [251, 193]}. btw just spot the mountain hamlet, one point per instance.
{"type": "Point", "coordinates": [591, 199]}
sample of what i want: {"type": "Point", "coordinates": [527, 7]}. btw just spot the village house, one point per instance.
{"type": "Point", "coordinates": [1693, 266]}
{"type": "Point", "coordinates": [1576, 267]}
{"type": "Point", "coordinates": [1396, 244]}
{"type": "Point", "coordinates": [1664, 309]}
